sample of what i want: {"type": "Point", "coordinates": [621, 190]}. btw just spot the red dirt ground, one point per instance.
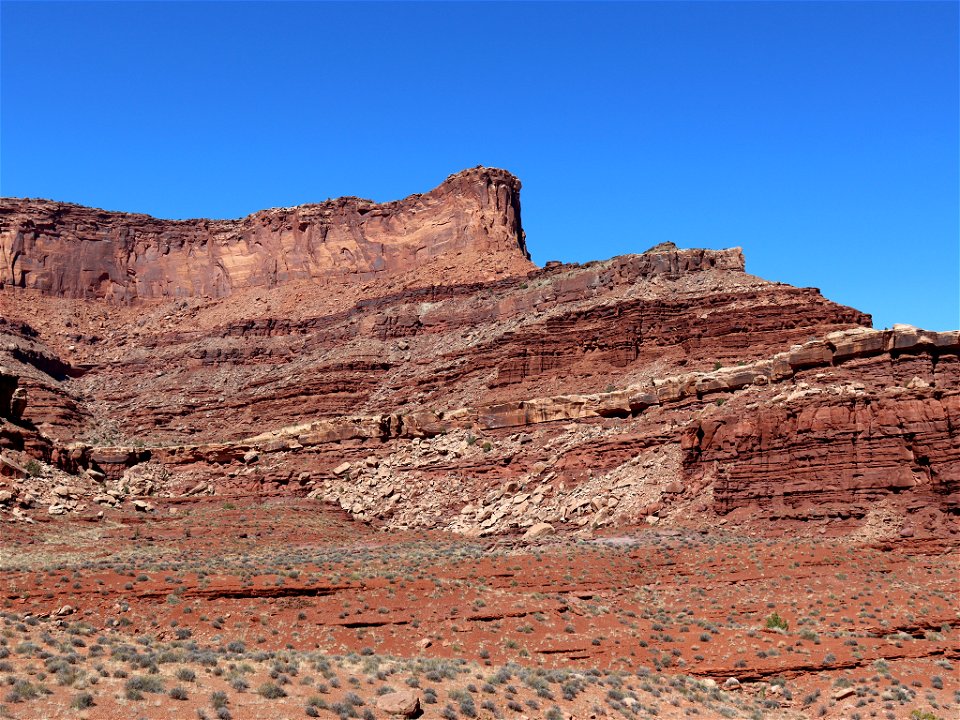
{"type": "Point", "coordinates": [662, 609]}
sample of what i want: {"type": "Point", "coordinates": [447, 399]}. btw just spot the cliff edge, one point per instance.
{"type": "Point", "coordinates": [467, 228]}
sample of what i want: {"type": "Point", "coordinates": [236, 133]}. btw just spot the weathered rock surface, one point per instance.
{"type": "Point", "coordinates": [471, 222]}
{"type": "Point", "coordinates": [455, 385]}
{"type": "Point", "coordinates": [401, 703]}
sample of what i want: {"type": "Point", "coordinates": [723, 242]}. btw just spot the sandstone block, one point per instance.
{"type": "Point", "coordinates": [538, 530]}
{"type": "Point", "coordinates": [860, 342]}
{"type": "Point", "coordinates": [402, 703]}
{"type": "Point", "coordinates": [810, 355]}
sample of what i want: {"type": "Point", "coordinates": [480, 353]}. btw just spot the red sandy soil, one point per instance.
{"type": "Point", "coordinates": [297, 580]}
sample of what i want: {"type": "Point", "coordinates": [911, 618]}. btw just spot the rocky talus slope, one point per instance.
{"type": "Point", "coordinates": [407, 362]}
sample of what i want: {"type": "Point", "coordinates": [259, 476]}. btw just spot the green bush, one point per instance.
{"type": "Point", "coordinates": [775, 622]}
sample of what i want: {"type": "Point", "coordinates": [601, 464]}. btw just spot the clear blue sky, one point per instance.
{"type": "Point", "coordinates": [821, 137]}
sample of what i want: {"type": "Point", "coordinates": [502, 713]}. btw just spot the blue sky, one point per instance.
{"type": "Point", "coordinates": [821, 137]}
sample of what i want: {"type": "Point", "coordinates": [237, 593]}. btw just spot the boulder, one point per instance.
{"type": "Point", "coordinates": [844, 692]}
{"type": "Point", "coordinates": [539, 530]}
{"type": "Point", "coordinates": [9, 468]}
{"type": "Point", "coordinates": [95, 475]}
{"type": "Point", "coordinates": [402, 703]}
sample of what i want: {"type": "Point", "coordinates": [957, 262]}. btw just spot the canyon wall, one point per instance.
{"type": "Point", "coordinates": [471, 222]}
{"type": "Point", "coordinates": [438, 379]}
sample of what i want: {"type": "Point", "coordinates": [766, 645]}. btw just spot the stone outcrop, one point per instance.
{"type": "Point", "coordinates": [471, 223]}
{"type": "Point", "coordinates": [833, 455]}
{"type": "Point", "coordinates": [561, 330]}
{"type": "Point", "coordinates": [669, 387]}
{"type": "Point", "coordinates": [846, 444]}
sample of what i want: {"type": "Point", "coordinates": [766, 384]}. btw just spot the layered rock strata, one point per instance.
{"type": "Point", "coordinates": [560, 330]}
{"type": "Point", "coordinates": [666, 387]}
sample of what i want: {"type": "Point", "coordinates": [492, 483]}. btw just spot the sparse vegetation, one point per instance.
{"type": "Point", "coordinates": [323, 654]}
{"type": "Point", "coordinates": [775, 622]}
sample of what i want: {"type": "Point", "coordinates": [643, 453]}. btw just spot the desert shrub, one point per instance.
{"type": "Point", "coordinates": [271, 691]}
{"type": "Point", "coordinates": [82, 701]}
{"type": "Point", "coordinates": [239, 684]}
{"type": "Point", "coordinates": [775, 622]}
{"type": "Point", "coordinates": [24, 690]}
{"type": "Point", "coordinates": [145, 683]}
{"type": "Point", "coordinates": [467, 705]}
{"type": "Point", "coordinates": [317, 702]}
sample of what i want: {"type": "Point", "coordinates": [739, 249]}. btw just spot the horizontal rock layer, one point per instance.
{"type": "Point", "coordinates": [785, 449]}
{"type": "Point", "coordinates": [568, 329]}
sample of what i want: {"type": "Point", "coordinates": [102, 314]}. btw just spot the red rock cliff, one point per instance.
{"type": "Point", "coordinates": [470, 224]}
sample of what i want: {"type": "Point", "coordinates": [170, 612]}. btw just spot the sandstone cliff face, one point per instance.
{"type": "Point", "coordinates": [869, 415]}
{"type": "Point", "coordinates": [440, 380]}
{"type": "Point", "coordinates": [569, 329]}
{"type": "Point", "coordinates": [471, 223]}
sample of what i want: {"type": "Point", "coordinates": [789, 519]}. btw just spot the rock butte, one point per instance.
{"type": "Point", "coordinates": [408, 362]}
{"type": "Point", "coordinates": [468, 227]}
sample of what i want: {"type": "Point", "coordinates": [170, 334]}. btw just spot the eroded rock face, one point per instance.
{"type": "Point", "coordinates": [830, 455]}
{"type": "Point", "coordinates": [457, 386]}
{"type": "Point", "coordinates": [470, 223]}
{"type": "Point", "coordinates": [564, 330]}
